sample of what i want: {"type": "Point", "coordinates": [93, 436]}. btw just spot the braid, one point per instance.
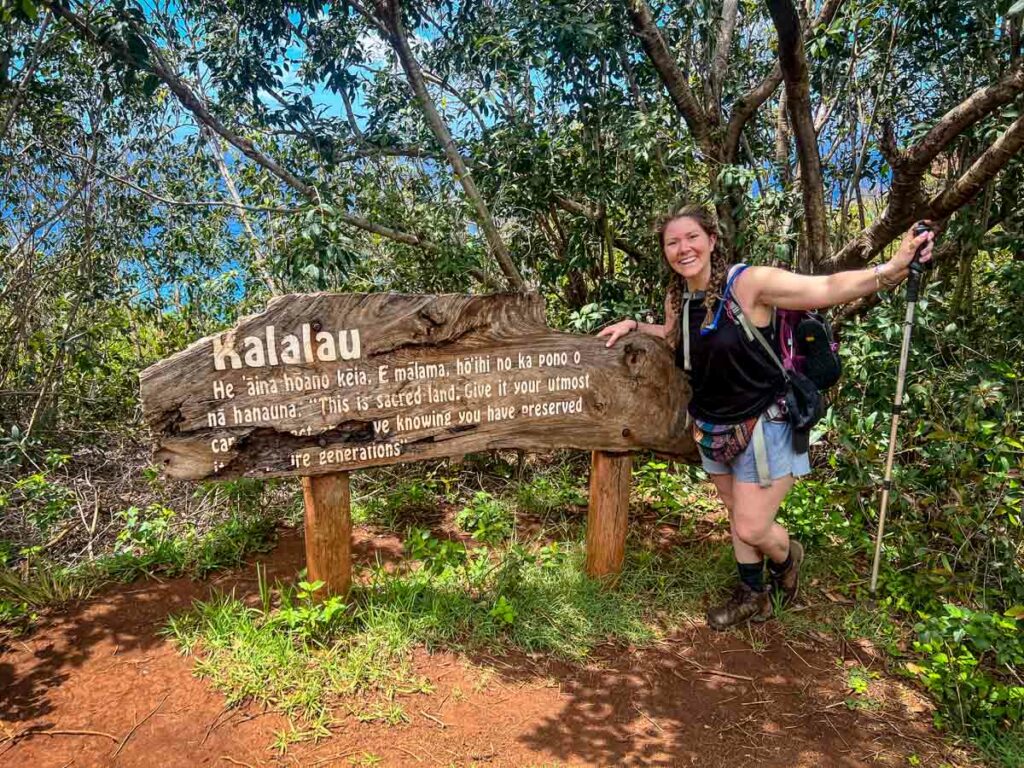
{"type": "Point", "coordinates": [719, 269]}
{"type": "Point", "coordinates": [673, 306]}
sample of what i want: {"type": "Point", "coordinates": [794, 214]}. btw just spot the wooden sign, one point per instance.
{"type": "Point", "coordinates": [324, 383]}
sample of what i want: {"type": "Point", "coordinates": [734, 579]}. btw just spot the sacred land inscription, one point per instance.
{"type": "Point", "coordinates": [330, 382]}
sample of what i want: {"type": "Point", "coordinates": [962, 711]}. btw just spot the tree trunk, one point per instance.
{"type": "Point", "coordinates": [391, 15]}
{"type": "Point", "coordinates": [794, 72]}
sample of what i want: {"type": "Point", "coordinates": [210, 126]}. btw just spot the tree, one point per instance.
{"type": "Point", "coordinates": [515, 126]}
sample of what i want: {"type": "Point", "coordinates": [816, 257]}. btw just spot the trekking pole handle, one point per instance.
{"type": "Point", "coordinates": [917, 268]}
{"type": "Point", "coordinates": [919, 229]}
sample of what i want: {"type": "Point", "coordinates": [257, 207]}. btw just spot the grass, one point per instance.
{"type": "Point", "coordinates": [494, 597]}
{"type": "Point", "coordinates": [551, 493]}
{"type": "Point", "coordinates": [248, 657]}
{"type": "Point", "coordinates": [548, 605]}
{"type": "Point", "coordinates": [25, 592]}
{"type": "Point", "coordinates": [45, 585]}
{"type": "Point", "coordinates": [498, 597]}
{"type": "Point", "coordinates": [1005, 748]}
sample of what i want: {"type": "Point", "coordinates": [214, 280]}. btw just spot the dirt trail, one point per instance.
{"type": "Point", "coordinates": [700, 698]}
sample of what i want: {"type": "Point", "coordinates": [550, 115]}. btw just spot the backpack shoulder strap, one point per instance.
{"type": "Point", "coordinates": [734, 272]}
{"type": "Point", "coordinates": [688, 296]}
{"type": "Point", "coordinates": [749, 329]}
{"type": "Point", "coordinates": [753, 334]}
{"type": "Point", "coordinates": [686, 331]}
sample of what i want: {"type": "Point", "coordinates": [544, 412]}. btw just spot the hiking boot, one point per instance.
{"type": "Point", "coordinates": [744, 605]}
{"type": "Point", "coordinates": [787, 583]}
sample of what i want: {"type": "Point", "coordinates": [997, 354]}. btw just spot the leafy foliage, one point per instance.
{"type": "Point", "coordinates": [486, 519]}
{"type": "Point", "coordinates": [971, 662]}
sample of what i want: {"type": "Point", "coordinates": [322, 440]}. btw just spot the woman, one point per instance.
{"type": "Point", "coordinates": [735, 381]}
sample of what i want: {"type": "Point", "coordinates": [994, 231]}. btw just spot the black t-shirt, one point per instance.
{"type": "Point", "coordinates": [733, 378]}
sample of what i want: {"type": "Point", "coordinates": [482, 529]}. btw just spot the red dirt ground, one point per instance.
{"type": "Point", "coordinates": [700, 698]}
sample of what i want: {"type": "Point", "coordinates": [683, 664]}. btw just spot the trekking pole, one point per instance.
{"type": "Point", "coordinates": [913, 285]}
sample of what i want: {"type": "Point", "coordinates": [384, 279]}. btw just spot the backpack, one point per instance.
{"type": "Point", "coordinates": [807, 345]}
{"type": "Point", "coordinates": [808, 357]}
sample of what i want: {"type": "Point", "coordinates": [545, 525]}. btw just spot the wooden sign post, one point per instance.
{"type": "Point", "coordinates": [322, 384]}
{"type": "Point", "coordinates": [328, 531]}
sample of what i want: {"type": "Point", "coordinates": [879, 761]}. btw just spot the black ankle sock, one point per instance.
{"type": "Point", "coordinates": [780, 568]}
{"type": "Point", "coordinates": [752, 574]}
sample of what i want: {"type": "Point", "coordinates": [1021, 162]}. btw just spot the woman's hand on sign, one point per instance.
{"type": "Point", "coordinates": [899, 265]}
{"type": "Point", "coordinates": [618, 330]}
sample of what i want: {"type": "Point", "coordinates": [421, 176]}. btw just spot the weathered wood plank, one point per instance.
{"type": "Point", "coordinates": [321, 383]}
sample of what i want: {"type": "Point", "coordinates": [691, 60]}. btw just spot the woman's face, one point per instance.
{"type": "Point", "coordinates": [688, 247]}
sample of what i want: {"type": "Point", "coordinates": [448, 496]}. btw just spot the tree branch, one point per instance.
{"type": "Point", "coordinates": [260, 260]}
{"type": "Point", "coordinates": [29, 71]}
{"type": "Point", "coordinates": [975, 107]}
{"type": "Point", "coordinates": [194, 104]}
{"type": "Point", "coordinates": [794, 69]}
{"type": "Point", "coordinates": [746, 106]}
{"type": "Point", "coordinates": [376, 151]}
{"type": "Point", "coordinates": [981, 172]}
{"type": "Point", "coordinates": [390, 15]}
{"type": "Point", "coordinates": [579, 209]}
{"type": "Point", "coordinates": [906, 202]}
{"type": "Point", "coordinates": [723, 42]}
{"type": "Point", "coordinates": [673, 78]}
{"type": "Point", "coordinates": [862, 306]}
{"type": "Point", "coordinates": [782, 141]}
{"type": "Point", "coordinates": [171, 201]}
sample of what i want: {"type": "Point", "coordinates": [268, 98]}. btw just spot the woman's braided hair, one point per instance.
{"type": "Point", "coordinates": [677, 285]}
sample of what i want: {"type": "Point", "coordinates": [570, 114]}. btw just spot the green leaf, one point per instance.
{"type": "Point", "coordinates": [149, 84]}
{"type": "Point", "coordinates": [1017, 611]}
{"type": "Point", "coordinates": [29, 9]}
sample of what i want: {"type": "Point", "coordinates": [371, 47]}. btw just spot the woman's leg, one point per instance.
{"type": "Point", "coordinates": [744, 552]}
{"type": "Point", "coordinates": [754, 523]}
{"type": "Point", "coordinates": [754, 531]}
{"type": "Point", "coordinates": [754, 510]}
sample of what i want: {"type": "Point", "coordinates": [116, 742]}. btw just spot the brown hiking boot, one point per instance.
{"type": "Point", "coordinates": [787, 583]}
{"type": "Point", "coordinates": [744, 605]}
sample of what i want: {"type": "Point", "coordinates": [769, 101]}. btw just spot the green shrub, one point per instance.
{"type": "Point", "coordinates": [15, 616]}
{"type": "Point", "coordinates": [971, 662]}
{"type": "Point", "coordinates": [308, 619]}
{"type": "Point", "coordinates": [548, 493]}
{"type": "Point", "coordinates": [678, 495]}
{"type": "Point", "coordinates": [40, 496]}
{"type": "Point", "coordinates": [813, 514]}
{"type": "Point", "coordinates": [150, 543]}
{"type": "Point", "coordinates": [437, 555]}
{"type": "Point", "coordinates": [399, 506]}
{"type": "Point", "coordinates": [486, 519]}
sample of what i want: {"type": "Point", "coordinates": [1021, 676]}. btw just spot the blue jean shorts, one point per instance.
{"type": "Point", "coordinates": [778, 438]}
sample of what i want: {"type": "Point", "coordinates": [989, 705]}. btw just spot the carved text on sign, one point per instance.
{"type": "Point", "coordinates": [306, 346]}
{"type": "Point", "coordinates": [327, 382]}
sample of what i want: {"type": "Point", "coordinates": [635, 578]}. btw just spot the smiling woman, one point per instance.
{"type": "Point", "coordinates": [738, 408]}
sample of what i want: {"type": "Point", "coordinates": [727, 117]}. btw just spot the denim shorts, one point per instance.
{"type": "Point", "coordinates": [778, 438]}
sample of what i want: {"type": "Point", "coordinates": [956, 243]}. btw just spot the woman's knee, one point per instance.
{"type": "Point", "coordinates": [750, 530]}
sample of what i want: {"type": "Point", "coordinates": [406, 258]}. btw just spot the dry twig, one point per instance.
{"type": "Point", "coordinates": [436, 720]}
{"type": "Point", "coordinates": [139, 724]}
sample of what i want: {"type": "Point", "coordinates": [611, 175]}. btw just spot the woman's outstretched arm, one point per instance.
{"type": "Point", "coordinates": [767, 286]}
